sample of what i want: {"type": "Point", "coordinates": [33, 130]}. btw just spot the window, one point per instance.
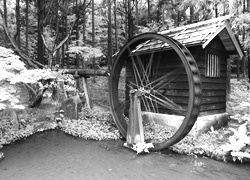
{"type": "Point", "coordinates": [212, 65]}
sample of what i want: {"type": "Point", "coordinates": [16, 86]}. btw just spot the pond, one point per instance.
{"type": "Point", "coordinates": [55, 155]}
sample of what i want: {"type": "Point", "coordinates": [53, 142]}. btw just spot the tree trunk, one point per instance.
{"type": "Point", "coordinates": [57, 33]}
{"type": "Point", "coordinates": [110, 49]}
{"type": "Point", "coordinates": [27, 27]}
{"type": "Point", "coordinates": [18, 25]}
{"type": "Point", "coordinates": [136, 13]}
{"type": "Point", "coordinates": [84, 27]}
{"type": "Point", "coordinates": [130, 21]}
{"type": "Point", "coordinates": [216, 10]}
{"type": "Point", "coordinates": [115, 25]}
{"type": "Point", "coordinates": [5, 12]}
{"type": "Point", "coordinates": [192, 14]}
{"type": "Point", "coordinates": [248, 52]}
{"type": "Point", "coordinates": [40, 45]}
{"type": "Point", "coordinates": [158, 18]}
{"type": "Point", "coordinates": [248, 58]}
{"type": "Point", "coordinates": [93, 23]}
{"type": "Point", "coordinates": [248, 5]}
{"type": "Point", "coordinates": [93, 34]}
{"type": "Point", "coordinates": [149, 14]}
{"type": "Point", "coordinates": [178, 18]}
{"type": "Point", "coordinates": [244, 6]}
{"type": "Point", "coordinates": [163, 15]}
{"type": "Point", "coordinates": [83, 33]}
{"type": "Point", "coordinates": [126, 20]}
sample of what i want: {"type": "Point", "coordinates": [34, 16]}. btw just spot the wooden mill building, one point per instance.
{"type": "Point", "coordinates": [211, 43]}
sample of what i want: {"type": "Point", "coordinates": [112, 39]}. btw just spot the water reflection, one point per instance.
{"type": "Point", "coordinates": [54, 155]}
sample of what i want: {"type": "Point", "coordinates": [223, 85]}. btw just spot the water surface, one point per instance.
{"type": "Point", "coordinates": [55, 155]}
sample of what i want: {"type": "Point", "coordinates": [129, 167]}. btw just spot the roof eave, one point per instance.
{"type": "Point", "coordinates": [235, 42]}
{"type": "Point", "coordinates": [213, 35]}
{"type": "Point", "coordinates": [231, 34]}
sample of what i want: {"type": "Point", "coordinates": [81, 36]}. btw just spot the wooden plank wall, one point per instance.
{"type": "Point", "coordinates": [213, 89]}
{"type": "Point", "coordinates": [177, 88]}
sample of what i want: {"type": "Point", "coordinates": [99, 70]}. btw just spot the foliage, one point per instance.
{"type": "Point", "coordinates": [13, 71]}
{"type": "Point", "coordinates": [227, 143]}
{"type": "Point", "coordinates": [86, 52]}
{"type": "Point", "coordinates": [141, 147]}
{"type": "Point", "coordinates": [241, 25]}
{"type": "Point", "coordinates": [10, 135]}
{"type": "Point", "coordinates": [10, 66]}
{"type": "Point", "coordinates": [91, 125]}
{"type": "Point", "coordinates": [238, 105]}
{"type": "Point", "coordinates": [61, 15]}
{"type": "Point", "coordinates": [238, 143]}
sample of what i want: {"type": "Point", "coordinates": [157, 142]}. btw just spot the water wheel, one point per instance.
{"type": "Point", "coordinates": [169, 85]}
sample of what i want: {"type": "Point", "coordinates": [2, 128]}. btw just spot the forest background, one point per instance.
{"type": "Point", "coordinates": [48, 33]}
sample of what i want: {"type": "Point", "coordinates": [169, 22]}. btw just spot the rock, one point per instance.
{"type": "Point", "coordinates": [10, 115]}
{"type": "Point", "coordinates": [71, 107]}
{"type": "Point", "coordinates": [1, 156]}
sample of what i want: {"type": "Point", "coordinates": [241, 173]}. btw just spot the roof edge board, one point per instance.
{"type": "Point", "coordinates": [231, 34]}
{"type": "Point", "coordinates": [235, 42]}
{"type": "Point", "coordinates": [134, 53]}
{"type": "Point", "coordinates": [214, 35]}
{"type": "Point", "coordinates": [222, 18]}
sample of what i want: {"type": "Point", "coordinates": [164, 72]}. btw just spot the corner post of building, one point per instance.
{"type": "Point", "coordinates": [238, 69]}
{"type": "Point", "coordinates": [228, 77]}
{"type": "Point", "coordinates": [244, 67]}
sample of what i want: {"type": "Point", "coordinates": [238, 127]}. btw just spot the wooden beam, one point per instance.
{"type": "Point", "coordinates": [86, 72]}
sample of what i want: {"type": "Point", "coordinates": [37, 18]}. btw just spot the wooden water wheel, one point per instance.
{"type": "Point", "coordinates": [168, 80]}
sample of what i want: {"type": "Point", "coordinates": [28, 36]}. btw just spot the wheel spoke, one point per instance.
{"type": "Point", "coordinates": [165, 102]}
{"type": "Point", "coordinates": [163, 80]}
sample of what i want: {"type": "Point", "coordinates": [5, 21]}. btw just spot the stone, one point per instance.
{"type": "Point", "coordinates": [71, 107]}
{"type": "Point", "coordinates": [11, 116]}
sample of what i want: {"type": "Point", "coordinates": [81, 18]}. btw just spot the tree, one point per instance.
{"type": "Point", "coordinates": [40, 20]}
{"type": "Point", "coordinates": [18, 25]}
{"type": "Point", "coordinates": [115, 26]}
{"type": "Point", "coordinates": [130, 21]}
{"type": "Point", "coordinates": [149, 13]}
{"type": "Point", "coordinates": [27, 27]}
{"type": "Point", "coordinates": [5, 12]}
{"type": "Point", "coordinates": [110, 46]}
{"type": "Point", "coordinates": [248, 51]}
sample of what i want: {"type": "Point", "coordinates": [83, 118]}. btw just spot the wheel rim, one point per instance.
{"type": "Point", "coordinates": [146, 74]}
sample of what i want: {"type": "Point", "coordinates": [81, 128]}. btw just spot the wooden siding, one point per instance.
{"type": "Point", "coordinates": [176, 89]}
{"type": "Point", "coordinates": [213, 88]}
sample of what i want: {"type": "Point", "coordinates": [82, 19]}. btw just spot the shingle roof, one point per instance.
{"type": "Point", "coordinates": [201, 33]}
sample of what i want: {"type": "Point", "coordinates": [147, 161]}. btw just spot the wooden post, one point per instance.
{"type": "Point", "coordinates": [86, 92]}
{"type": "Point", "coordinates": [228, 77]}
{"type": "Point", "coordinates": [244, 67]}
{"type": "Point", "coordinates": [135, 128]}
{"type": "Point", "coordinates": [238, 69]}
